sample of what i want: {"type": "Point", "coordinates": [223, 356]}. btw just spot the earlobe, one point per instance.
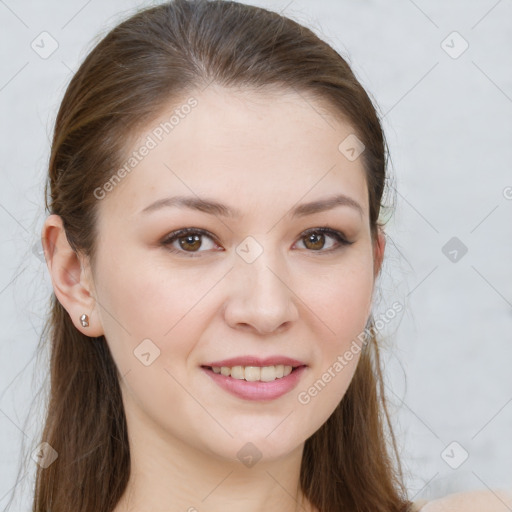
{"type": "Point", "coordinates": [72, 284]}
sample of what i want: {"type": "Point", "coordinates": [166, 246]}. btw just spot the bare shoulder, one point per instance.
{"type": "Point", "coordinates": [497, 500]}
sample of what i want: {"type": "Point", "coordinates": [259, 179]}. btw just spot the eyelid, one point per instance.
{"type": "Point", "coordinates": [170, 238]}
{"type": "Point", "coordinates": [175, 235]}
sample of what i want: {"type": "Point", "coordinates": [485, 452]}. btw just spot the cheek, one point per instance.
{"type": "Point", "coordinates": [141, 301]}
{"type": "Point", "coordinates": [341, 300]}
{"type": "Point", "coordinates": [342, 305]}
{"type": "Point", "coordinates": [152, 323]}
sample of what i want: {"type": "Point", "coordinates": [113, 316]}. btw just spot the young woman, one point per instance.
{"type": "Point", "coordinates": [214, 192]}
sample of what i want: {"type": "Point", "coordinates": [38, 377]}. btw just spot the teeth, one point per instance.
{"type": "Point", "coordinates": [254, 373]}
{"type": "Point", "coordinates": [237, 372]}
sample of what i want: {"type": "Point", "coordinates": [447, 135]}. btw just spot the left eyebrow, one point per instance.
{"type": "Point", "coordinates": [326, 204]}
{"type": "Point", "coordinates": [213, 207]}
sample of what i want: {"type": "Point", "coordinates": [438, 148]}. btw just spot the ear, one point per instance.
{"type": "Point", "coordinates": [379, 248]}
{"type": "Point", "coordinates": [71, 277]}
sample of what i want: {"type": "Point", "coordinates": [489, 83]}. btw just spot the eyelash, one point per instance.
{"type": "Point", "coordinates": [181, 233]}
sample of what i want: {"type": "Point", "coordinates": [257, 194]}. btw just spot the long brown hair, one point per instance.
{"type": "Point", "coordinates": [145, 62]}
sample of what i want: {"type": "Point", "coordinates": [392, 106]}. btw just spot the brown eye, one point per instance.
{"type": "Point", "coordinates": [190, 240]}
{"type": "Point", "coordinates": [315, 240]}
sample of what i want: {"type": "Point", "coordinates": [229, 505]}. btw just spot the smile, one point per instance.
{"type": "Point", "coordinates": [254, 373]}
{"type": "Point", "coordinates": [256, 382]}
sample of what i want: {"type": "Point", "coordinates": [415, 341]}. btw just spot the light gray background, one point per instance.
{"type": "Point", "coordinates": [448, 124]}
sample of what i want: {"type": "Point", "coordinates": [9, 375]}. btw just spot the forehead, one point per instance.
{"type": "Point", "coordinates": [249, 149]}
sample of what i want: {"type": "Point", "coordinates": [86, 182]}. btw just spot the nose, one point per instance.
{"type": "Point", "coordinates": [260, 297]}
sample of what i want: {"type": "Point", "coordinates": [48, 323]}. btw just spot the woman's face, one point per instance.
{"type": "Point", "coordinates": [253, 288]}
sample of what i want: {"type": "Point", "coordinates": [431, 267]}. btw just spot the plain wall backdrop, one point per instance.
{"type": "Point", "coordinates": [440, 75]}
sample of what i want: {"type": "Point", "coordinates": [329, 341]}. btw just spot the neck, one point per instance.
{"type": "Point", "coordinates": [168, 474]}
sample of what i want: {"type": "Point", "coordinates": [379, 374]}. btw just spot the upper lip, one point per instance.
{"type": "Point", "coordinates": [256, 361]}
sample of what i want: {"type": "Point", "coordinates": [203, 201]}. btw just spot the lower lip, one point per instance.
{"type": "Point", "coordinates": [257, 390]}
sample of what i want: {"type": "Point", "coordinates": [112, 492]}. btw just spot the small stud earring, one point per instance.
{"type": "Point", "coordinates": [85, 320]}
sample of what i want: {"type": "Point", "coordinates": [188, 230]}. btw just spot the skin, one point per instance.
{"type": "Point", "coordinates": [262, 153]}
{"type": "Point", "coordinates": [496, 500]}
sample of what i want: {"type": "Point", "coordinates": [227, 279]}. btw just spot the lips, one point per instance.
{"type": "Point", "coordinates": [259, 390]}
{"type": "Point", "coordinates": [254, 378]}
{"type": "Point", "coordinates": [256, 361]}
